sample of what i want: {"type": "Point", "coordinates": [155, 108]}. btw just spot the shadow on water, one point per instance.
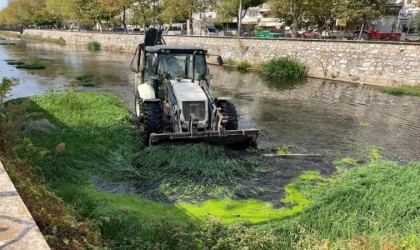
{"type": "Point", "coordinates": [283, 84]}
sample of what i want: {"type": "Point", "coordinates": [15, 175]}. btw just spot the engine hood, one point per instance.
{"type": "Point", "coordinates": [186, 90]}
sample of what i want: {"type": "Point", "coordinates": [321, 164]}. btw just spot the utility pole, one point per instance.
{"type": "Point", "coordinates": [239, 18]}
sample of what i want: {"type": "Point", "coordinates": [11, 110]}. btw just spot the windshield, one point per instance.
{"type": "Point", "coordinates": [212, 29]}
{"type": "Point", "coordinates": [172, 65]}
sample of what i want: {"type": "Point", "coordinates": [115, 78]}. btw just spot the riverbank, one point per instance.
{"type": "Point", "coordinates": [89, 157]}
{"type": "Point", "coordinates": [378, 63]}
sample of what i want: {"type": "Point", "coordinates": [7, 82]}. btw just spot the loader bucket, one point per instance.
{"type": "Point", "coordinates": [241, 138]}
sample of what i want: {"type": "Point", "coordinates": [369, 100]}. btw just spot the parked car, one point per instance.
{"type": "Point", "coordinates": [137, 30]}
{"type": "Point", "coordinates": [309, 35]}
{"type": "Point", "coordinates": [209, 31]}
{"type": "Point", "coordinates": [118, 29]}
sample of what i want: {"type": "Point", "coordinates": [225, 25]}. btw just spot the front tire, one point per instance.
{"type": "Point", "coordinates": [228, 109]}
{"type": "Point", "coordinates": [153, 119]}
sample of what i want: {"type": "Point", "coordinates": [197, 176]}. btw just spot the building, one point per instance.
{"type": "Point", "coordinates": [399, 13]}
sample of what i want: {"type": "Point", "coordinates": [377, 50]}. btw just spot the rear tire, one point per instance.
{"type": "Point", "coordinates": [153, 119]}
{"type": "Point", "coordinates": [228, 109]}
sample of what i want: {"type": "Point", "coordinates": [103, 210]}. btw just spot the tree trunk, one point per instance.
{"type": "Point", "coordinates": [190, 23]}
{"type": "Point", "coordinates": [123, 21]}
{"type": "Point", "coordinates": [294, 27]}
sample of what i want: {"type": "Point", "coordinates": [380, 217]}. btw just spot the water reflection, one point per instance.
{"type": "Point", "coordinates": [331, 118]}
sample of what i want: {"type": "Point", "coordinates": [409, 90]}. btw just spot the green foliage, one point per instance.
{"type": "Point", "coordinates": [91, 129]}
{"type": "Point", "coordinates": [60, 41]}
{"type": "Point", "coordinates": [284, 68]}
{"type": "Point", "coordinates": [243, 65]}
{"type": "Point", "coordinates": [284, 150]}
{"type": "Point", "coordinates": [302, 191]}
{"type": "Point", "coordinates": [193, 171]}
{"type": "Point", "coordinates": [415, 22]}
{"type": "Point", "coordinates": [86, 81]}
{"type": "Point", "coordinates": [94, 45]}
{"type": "Point", "coordinates": [60, 224]}
{"type": "Point", "coordinates": [403, 90]}
{"type": "Point", "coordinates": [230, 8]}
{"type": "Point", "coordinates": [7, 43]}
{"type": "Point", "coordinates": [376, 204]}
{"type": "Point", "coordinates": [30, 63]}
{"type": "Point", "coordinates": [15, 62]}
{"type": "Point", "coordinates": [38, 18]}
{"type": "Point", "coordinates": [90, 158]}
{"type": "Point", "coordinates": [360, 11]}
{"type": "Point", "coordinates": [5, 86]}
{"type": "Point", "coordinates": [31, 66]}
{"type": "Point", "coordinates": [229, 61]}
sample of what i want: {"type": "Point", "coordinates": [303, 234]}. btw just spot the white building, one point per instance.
{"type": "Point", "coordinates": [399, 14]}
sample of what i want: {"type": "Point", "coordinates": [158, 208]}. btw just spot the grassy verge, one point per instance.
{"type": "Point", "coordinates": [82, 148]}
{"type": "Point", "coordinates": [403, 90]}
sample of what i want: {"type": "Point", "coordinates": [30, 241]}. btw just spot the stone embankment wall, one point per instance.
{"type": "Point", "coordinates": [380, 63]}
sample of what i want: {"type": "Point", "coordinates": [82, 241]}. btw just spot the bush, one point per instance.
{"type": "Point", "coordinates": [229, 61]}
{"type": "Point", "coordinates": [284, 68]}
{"type": "Point", "coordinates": [94, 45]}
{"type": "Point", "coordinates": [5, 87]}
{"type": "Point", "coordinates": [243, 65]}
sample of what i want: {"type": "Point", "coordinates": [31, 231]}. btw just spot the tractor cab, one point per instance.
{"type": "Point", "coordinates": [163, 62]}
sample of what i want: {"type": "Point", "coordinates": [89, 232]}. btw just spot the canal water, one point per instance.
{"type": "Point", "coordinates": [329, 119]}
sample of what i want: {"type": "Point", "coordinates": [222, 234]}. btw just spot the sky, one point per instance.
{"type": "Point", "coordinates": [3, 4]}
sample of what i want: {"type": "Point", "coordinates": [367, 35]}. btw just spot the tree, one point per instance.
{"type": "Point", "coordinates": [64, 10]}
{"type": "Point", "coordinates": [229, 9]}
{"type": "Point", "coordinates": [294, 11]}
{"type": "Point", "coordinates": [141, 13]}
{"type": "Point", "coordinates": [21, 11]}
{"type": "Point", "coordinates": [415, 21]}
{"type": "Point", "coordinates": [117, 8]}
{"type": "Point", "coordinates": [361, 12]}
{"type": "Point", "coordinates": [180, 10]}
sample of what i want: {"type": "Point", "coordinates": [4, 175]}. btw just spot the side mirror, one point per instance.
{"type": "Point", "coordinates": [219, 60]}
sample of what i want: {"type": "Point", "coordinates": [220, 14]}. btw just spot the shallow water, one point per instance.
{"type": "Point", "coordinates": [333, 119]}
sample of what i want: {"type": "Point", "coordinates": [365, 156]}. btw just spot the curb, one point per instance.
{"type": "Point", "coordinates": [18, 230]}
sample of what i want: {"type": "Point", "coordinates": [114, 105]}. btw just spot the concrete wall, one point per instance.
{"type": "Point", "coordinates": [381, 63]}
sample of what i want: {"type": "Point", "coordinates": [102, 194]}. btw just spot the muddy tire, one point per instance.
{"type": "Point", "coordinates": [139, 108]}
{"type": "Point", "coordinates": [153, 119]}
{"type": "Point", "coordinates": [228, 109]}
